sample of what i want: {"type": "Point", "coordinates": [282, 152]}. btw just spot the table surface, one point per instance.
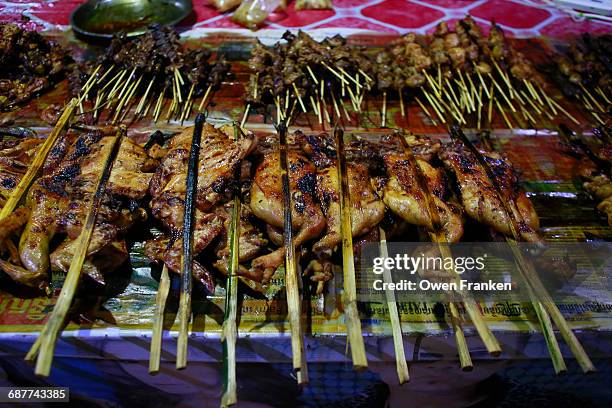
{"type": "Point", "coordinates": [526, 18]}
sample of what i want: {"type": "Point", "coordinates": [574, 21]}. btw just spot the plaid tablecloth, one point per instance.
{"type": "Point", "coordinates": [526, 18]}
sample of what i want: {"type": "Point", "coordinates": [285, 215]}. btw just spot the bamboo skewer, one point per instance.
{"type": "Point", "coordinates": [22, 188]}
{"type": "Point", "coordinates": [50, 332]}
{"type": "Point", "coordinates": [465, 360]}
{"type": "Point", "coordinates": [291, 275]}
{"type": "Point", "coordinates": [384, 110]}
{"type": "Point", "coordinates": [437, 236]}
{"type": "Point", "coordinates": [230, 329]}
{"type": "Point", "coordinates": [534, 285]}
{"type": "Point", "coordinates": [480, 88]}
{"type": "Point", "coordinates": [297, 94]}
{"type": "Point", "coordinates": [158, 105]}
{"type": "Point", "coordinates": [426, 111]}
{"type": "Point", "coordinates": [597, 104]}
{"type": "Point", "coordinates": [353, 322]}
{"type": "Point", "coordinates": [184, 312]}
{"type": "Point", "coordinates": [484, 85]}
{"type": "Point", "coordinates": [603, 95]}
{"type": "Point", "coordinates": [562, 109]}
{"type": "Point", "coordinates": [396, 325]}
{"type": "Point", "coordinates": [503, 94]}
{"type": "Point", "coordinates": [245, 116]}
{"type": "Point", "coordinates": [91, 81]}
{"type": "Point", "coordinates": [158, 321]}
{"type": "Point", "coordinates": [501, 110]}
{"type": "Point", "coordinates": [201, 105]}
{"type": "Point", "coordinates": [434, 106]}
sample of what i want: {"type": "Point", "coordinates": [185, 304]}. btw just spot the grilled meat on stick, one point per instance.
{"type": "Point", "coordinates": [57, 204]}
{"type": "Point", "coordinates": [405, 198]}
{"type": "Point", "coordinates": [596, 172]}
{"type": "Point", "coordinates": [367, 210]}
{"type": "Point", "coordinates": [29, 64]}
{"type": "Point", "coordinates": [219, 158]}
{"type": "Point", "coordinates": [400, 187]}
{"type": "Point", "coordinates": [267, 204]}
{"type": "Point", "coordinates": [479, 196]}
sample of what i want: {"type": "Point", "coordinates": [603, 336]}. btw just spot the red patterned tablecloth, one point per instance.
{"type": "Point", "coordinates": [526, 18]}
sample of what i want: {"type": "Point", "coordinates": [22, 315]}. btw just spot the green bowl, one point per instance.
{"type": "Point", "coordinates": [102, 19]}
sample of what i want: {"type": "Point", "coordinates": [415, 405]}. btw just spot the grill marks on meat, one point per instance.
{"type": "Point", "coordinates": [219, 158]}
{"type": "Point", "coordinates": [15, 156]}
{"type": "Point", "coordinates": [250, 242]}
{"type": "Point", "coordinates": [478, 194]}
{"type": "Point", "coordinates": [267, 204]}
{"type": "Point", "coordinates": [367, 210]}
{"type": "Point", "coordinates": [403, 195]}
{"type": "Point", "coordinates": [58, 203]}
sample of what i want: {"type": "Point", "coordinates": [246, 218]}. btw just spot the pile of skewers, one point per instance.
{"type": "Point", "coordinates": [584, 73]}
{"type": "Point", "coordinates": [304, 75]}
{"type": "Point", "coordinates": [459, 76]}
{"type": "Point", "coordinates": [462, 73]}
{"type": "Point", "coordinates": [153, 73]}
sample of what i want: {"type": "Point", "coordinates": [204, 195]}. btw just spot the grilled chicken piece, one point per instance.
{"type": "Point", "coordinates": [403, 195]}
{"type": "Point", "coordinates": [479, 196]}
{"type": "Point", "coordinates": [219, 157]}
{"type": "Point", "coordinates": [58, 204]}
{"type": "Point", "coordinates": [600, 187]}
{"type": "Point", "coordinates": [267, 204]}
{"type": "Point", "coordinates": [250, 243]}
{"type": "Point", "coordinates": [207, 227]}
{"type": "Point", "coordinates": [367, 210]}
{"type": "Point", "coordinates": [15, 156]}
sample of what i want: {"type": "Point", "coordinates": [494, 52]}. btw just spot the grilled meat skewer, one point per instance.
{"type": "Point", "coordinates": [367, 210]}
{"type": "Point", "coordinates": [267, 204]}
{"type": "Point", "coordinates": [57, 202]}
{"type": "Point", "coordinates": [219, 157]}
{"type": "Point", "coordinates": [478, 194]}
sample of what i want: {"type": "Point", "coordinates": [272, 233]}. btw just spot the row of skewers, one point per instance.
{"type": "Point", "coordinates": [154, 74]}
{"type": "Point", "coordinates": [457, 74]}
{"type": "Point", "coordinates": [219, 190]}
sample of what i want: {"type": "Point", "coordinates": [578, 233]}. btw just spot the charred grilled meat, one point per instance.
{"type": "Point", "coordinates": [267, 204]}
{"type": "Point", "coordinates": [401, 65]}
{"type": "Point", "coordinates": [403, 195]}
{"type": "Point", "coordinates": [479, 196]}
{"type": "Point", "coordinates": [57, 205]}
{"type": "Point", "coordinates": [29, 64]}
{"type": "Point", "coordinates": [219, 158]}
{"type": "Point", "coordinates": [15, 157]}
{"type": "Point", "coordinates": [367, 210]}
